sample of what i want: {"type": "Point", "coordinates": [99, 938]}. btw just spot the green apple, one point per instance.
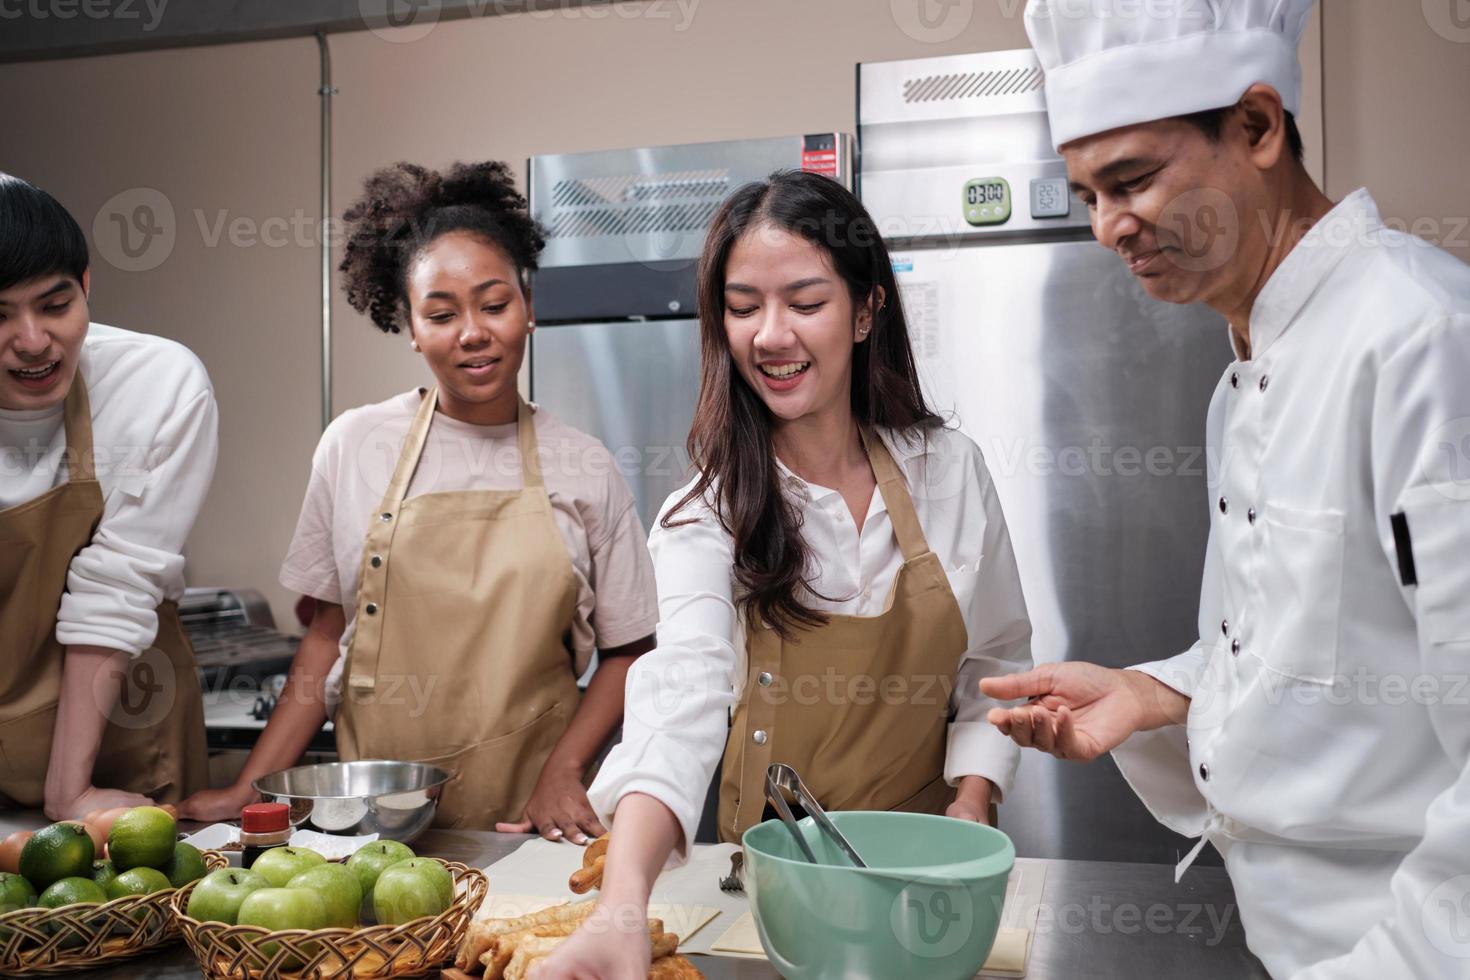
{"type": "Point", "coordinates": [370, 861]}
{"type": "Point", "coordinates": [280, 864]}
{"type": "Point", "coordinates": [403, 894]}
{"type": "Point", "coordinates": [339, 890]}
{"type": "Point", "coordinates": [103, 872]}
{"type": "Point", "coordinates": [186, 865]}
{"type": "Point", "coordinates": [219, 896]}
{"type": "Point", "coordinates": [436, 873]}
{"type": "Point", "coordinates": [282, 908]}
{"type": "Point", "coordinates": [15, 893]}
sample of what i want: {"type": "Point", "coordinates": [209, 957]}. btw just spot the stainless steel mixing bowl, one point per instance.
{"type": "Point", "coordinates": [395, 800]}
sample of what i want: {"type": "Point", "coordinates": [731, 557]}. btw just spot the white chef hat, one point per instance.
{"type": "Point", "coordinates": [1113, 63]}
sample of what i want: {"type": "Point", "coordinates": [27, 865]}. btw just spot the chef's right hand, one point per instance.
{"type": "Point", "coordinates": [1079, 710]}
{"type": "Point", "coordinates": [612, 944]}
{"type": "Point", "coordinates": [212, 805]}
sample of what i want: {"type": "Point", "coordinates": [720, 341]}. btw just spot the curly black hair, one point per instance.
{"type": "Point", "coordinates": [405, 207]}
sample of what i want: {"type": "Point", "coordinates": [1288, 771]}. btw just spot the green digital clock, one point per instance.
{"type": "Point", "coordinates": [987, 201]}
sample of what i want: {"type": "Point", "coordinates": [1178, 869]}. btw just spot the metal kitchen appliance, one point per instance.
{"type": "Point", "coordinates": [234, 635]}
{"type": "Point", "coordinates": [1087, 397]}
{"type": "Point", "coordinates": [616, 350]}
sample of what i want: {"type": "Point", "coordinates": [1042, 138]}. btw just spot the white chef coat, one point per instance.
{"type": "Point", "coordinates": [679, 697]}
{"type": "Point", "coordinates": [1328, 736]}
{"type": "Point", "coordinates": [155, 435]}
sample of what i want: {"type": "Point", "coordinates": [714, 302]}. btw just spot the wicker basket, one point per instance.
{"type": "Point", "coordinates": [227, 952]}
{"type": "Point", "coordinates": [42, 942]}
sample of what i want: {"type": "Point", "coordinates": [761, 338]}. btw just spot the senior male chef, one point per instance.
{"type": "Point", "coordinates": [1319, 730]}
{"type": "Point", "coordinates": [107, 447]}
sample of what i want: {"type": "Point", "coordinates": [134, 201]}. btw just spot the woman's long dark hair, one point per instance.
{"type": "Point", "coordinates": [730, 442]}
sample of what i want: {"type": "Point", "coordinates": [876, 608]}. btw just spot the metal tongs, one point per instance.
{"type": "Point", "coordinates": [782, 779]}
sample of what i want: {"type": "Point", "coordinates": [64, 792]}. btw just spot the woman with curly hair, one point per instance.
{"type": "Point", "coordinates": [468, 552]}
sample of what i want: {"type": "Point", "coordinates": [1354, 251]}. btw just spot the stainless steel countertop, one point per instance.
{"type": "Point", "coordinates": [1098, 920]}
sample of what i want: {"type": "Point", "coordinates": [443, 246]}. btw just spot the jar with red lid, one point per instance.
{"type": "Point", "coordinates": [263, 826]}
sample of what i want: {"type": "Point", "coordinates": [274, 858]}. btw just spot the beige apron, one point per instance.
{"type": "Point", "coordinates": [860, 705]}
{"type": "Point", "coordinates": [459, 655]}
{"type": "Point", "coordinates": [154, 740]}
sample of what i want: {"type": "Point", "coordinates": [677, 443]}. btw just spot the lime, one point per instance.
{"type": "Point", "coordinates": [62, 850]}
{"type": "Point", "coordinates": [185, 866]}
{"type": "Point", "coordinates": [15, 893]}
{"type": "Point", "coordinates": [69, 891]}
{"type": "Point", "coordinates": [143, 837]}
{"type": "Point", "coordinates": [138, 881]}
{"type": "Point", "coordinates": [103, 872]}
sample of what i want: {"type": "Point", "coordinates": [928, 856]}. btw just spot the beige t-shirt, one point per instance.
{"type": "Point", "coordinates": [617, 601]}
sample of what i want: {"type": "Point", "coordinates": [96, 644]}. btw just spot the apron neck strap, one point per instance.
{"type": "Point", "coordinates": [413, 448]}
{"type": "Point", "coordinates": [530, 456]}
{"type": "Point", "coordinates": [80, 460]}
{"type": "Point", "coordinates": [418, 434]}
{"type": "Point", "coordinates": [891, 484]}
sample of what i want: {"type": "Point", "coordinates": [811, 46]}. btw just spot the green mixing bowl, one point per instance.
{"type": "Point", "coordinates": [928, 904]}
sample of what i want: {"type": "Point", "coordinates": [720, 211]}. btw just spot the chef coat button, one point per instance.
{"type": "Point", "coordinates": [1265, 380]}
{"type": "Point", "coordinates": [759, 736]}
{"type": "Point", "coordinates": [385, 517]}
{"type": "Point", "coordinates": [377, 561]}
{"type": "Point", "coordinates": [1224, 506]}
{"type": "Point", "coordinates": [1235, 379]}
{"type": "Point", "coordinates": [1204, 772]}
{"type": "Point", "coordinates": [1235, 648]}
{"type": "Point", "coordinates": [1225, 627]}
{"type": "Point", "coordinates": [764, 679]}
{"type": "Point", "coordinates": [371, 608]}
{"type": "Point", "coordinates": [1250, 515]}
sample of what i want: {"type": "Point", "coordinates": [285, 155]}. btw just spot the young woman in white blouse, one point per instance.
{"type": "Point", "coordinates": [834, 583]}
{"type": "Point", "coordinates": [468, 552]}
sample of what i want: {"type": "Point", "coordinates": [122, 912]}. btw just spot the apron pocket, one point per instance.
{"type": "Point", "coordinates": [1301, 593]}
{"type": "Point", "coordinates": [25, 744]}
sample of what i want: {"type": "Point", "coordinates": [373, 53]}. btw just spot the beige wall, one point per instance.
{"type": "Point", "coordinates": [233, 129]}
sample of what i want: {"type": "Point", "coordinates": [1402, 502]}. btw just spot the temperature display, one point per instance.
{"type": "Point", "coordinates": [987, 201]}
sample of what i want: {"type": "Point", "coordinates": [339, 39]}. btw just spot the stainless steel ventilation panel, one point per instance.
{"type": "Point", "coordinates": [649, 205]}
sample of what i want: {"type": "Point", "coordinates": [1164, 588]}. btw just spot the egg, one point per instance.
{"type": "Point", "coordinates": [10, 850]}
{"type": "Point", "coordinates": [104, 820]}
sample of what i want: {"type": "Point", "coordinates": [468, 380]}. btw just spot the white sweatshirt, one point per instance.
{"type": "Point", "coordinates": [154, 430]}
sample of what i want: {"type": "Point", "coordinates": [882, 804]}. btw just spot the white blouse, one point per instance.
{"type": "Point", "coordinates": [680, 696]}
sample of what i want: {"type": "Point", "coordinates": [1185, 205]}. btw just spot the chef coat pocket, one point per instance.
{"type": "Point", "coordinates": [1439, 532]}
{"type": "Point", "coordinates": [1300, 599]}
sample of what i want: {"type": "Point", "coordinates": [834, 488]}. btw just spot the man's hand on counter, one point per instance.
{"type": "Point", "coordinates": [1081, 711]}
{"type": "Point", "coordinates": [92, 798]}
{"type": "Point", "coordinates": [558, 808]}
{"type": "Point", "coordinates": [214, 805]}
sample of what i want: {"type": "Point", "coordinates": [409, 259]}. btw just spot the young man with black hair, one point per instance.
{"type": "Point", "coordinates": [107, 447]}
{"type": "Point", "coordinates": [1317, 733]}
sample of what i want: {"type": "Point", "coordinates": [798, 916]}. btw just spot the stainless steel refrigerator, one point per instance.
{"type": "Point", "coordinates": [1087, 397]}
{"type": "Point", "coordinates": [616, 350]}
